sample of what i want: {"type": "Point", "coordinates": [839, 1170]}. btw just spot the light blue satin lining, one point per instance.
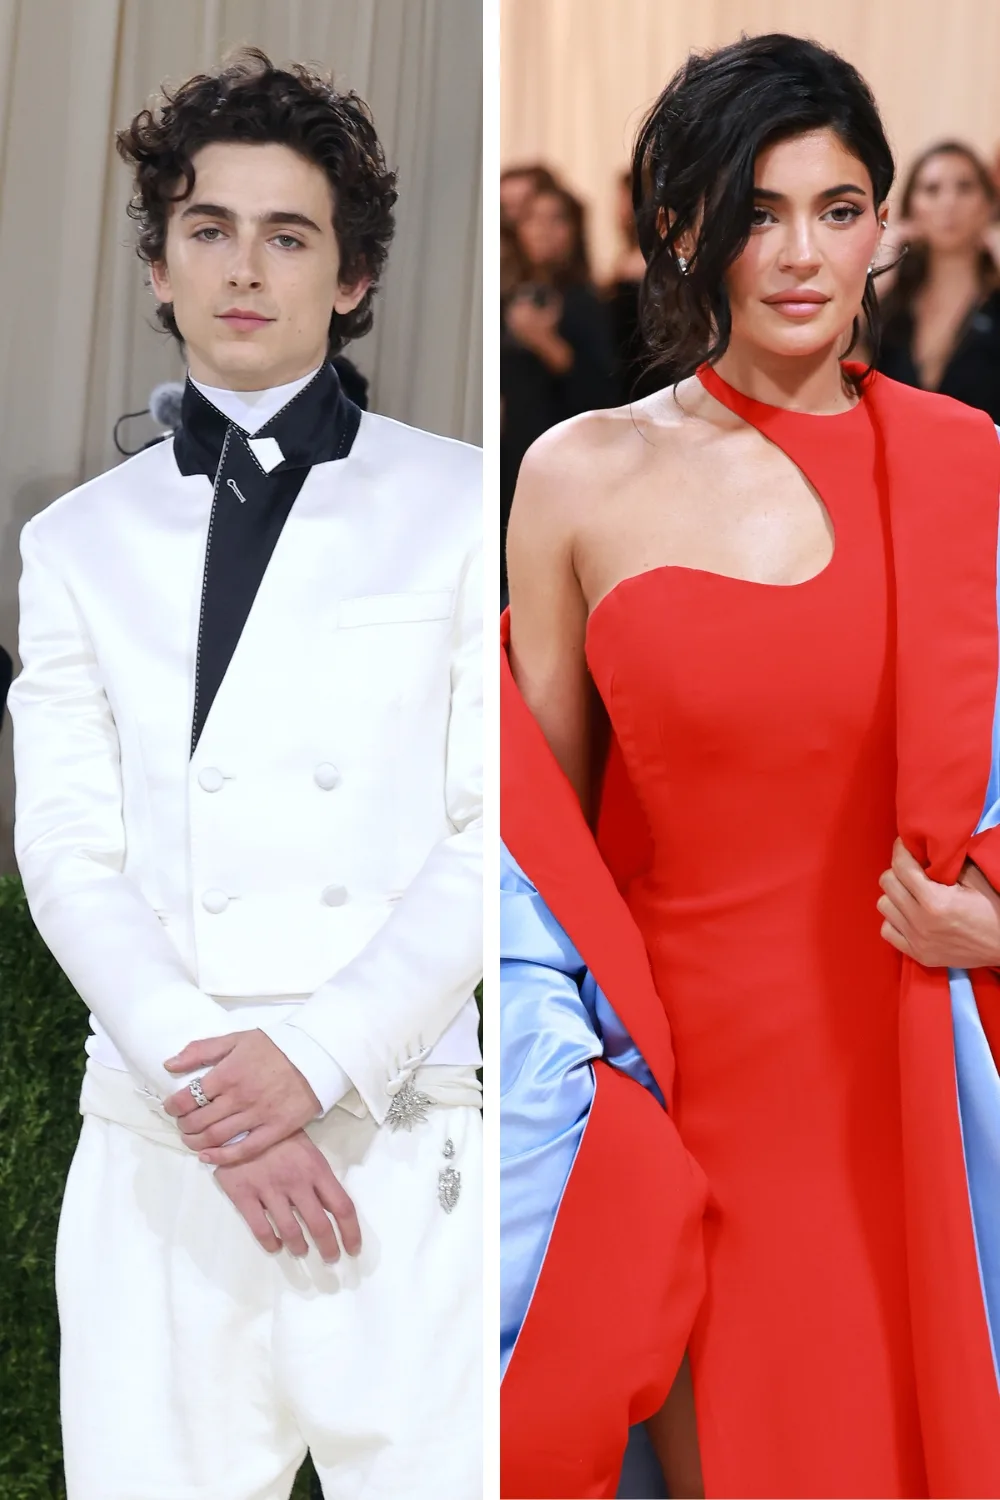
{"type": "Point", "coordinates": [979, 1090]}
{"type": "Point", "coordinates": [554, 1021]}
{"type": "Point", "coordinates": [979, 1114]}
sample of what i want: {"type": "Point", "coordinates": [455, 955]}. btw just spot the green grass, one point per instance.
{"type": "Point", "coordinates": [43, 1027]}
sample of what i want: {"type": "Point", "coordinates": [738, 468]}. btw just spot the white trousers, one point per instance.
{"type": "Point", "coordinates": [195, 1366]}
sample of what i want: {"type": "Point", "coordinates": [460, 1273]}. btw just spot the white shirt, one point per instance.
{"type": "Point", "coordinates": [252, 409]}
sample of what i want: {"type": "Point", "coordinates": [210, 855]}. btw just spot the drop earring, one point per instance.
{"type": "Point", "coordinates": [682, 264]}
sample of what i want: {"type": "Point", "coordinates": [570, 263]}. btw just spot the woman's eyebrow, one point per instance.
{"type": "Point", "coordinates": [833, 192]}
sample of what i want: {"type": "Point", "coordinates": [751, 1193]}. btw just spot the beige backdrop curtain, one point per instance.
{"type": "Point", "coordinates": [78, 343]}
{"type": "Point", "coordinates": [576, 75]}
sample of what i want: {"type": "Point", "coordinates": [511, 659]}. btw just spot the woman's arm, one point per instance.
{"type": "Point", "coordinates": [548, 611]}
{"type": "Point", "coordinates": [941, 926]}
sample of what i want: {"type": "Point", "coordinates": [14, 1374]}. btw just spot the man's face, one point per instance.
{"type": "Point", "coordinates": [252, 267]}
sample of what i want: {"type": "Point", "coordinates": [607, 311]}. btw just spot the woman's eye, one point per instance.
{"type": "Point", "coordinates": [759, 217]}
{"type": "Point", "coordinates": [844, 213]}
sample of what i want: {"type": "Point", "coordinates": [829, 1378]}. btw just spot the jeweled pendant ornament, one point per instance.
{"type": "Point", "coordinates": [449, 1187]}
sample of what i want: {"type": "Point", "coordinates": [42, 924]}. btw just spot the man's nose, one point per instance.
{"type": "Point", "coordinates": [245, 265]}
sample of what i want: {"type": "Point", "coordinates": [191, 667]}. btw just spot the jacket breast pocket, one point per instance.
{"type": "Point", "coordinates": [395, 609]}
{"type": "Point", "coordinates": [394, 649]}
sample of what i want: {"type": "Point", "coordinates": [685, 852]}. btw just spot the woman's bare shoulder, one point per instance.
{"type": "Point", "coordinates": [580, 458]}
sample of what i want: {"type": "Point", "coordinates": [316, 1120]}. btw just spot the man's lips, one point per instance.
{"type": "Point", "coordinates": [238, 317]}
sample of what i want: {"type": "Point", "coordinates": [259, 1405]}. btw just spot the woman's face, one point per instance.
{"type": "Point", "coordinates": [515, 194]}
{"type": "Point", "coordinates": [546, 231]}
{"type": "Point", "coordinates": [797, 286]}
{"type": "Point", "coordinates": [948, 206]}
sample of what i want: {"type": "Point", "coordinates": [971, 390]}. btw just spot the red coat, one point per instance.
{"type": "Point", "coordinates": [631, 1213]}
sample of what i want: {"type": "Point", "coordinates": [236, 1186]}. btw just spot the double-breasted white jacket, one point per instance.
{"type": "Point", "coordinates": [324, 839]}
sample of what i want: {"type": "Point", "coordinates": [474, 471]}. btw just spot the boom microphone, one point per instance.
{"type": "Point", "coordinates": [165, 404]}
{"type": "Point", "coordinates": [165, 409]}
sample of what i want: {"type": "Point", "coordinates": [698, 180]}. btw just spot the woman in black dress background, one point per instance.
{"type": "Point", "coordinates": [941, 308]}
{"type": "Point", "coordinates": [556, 352]}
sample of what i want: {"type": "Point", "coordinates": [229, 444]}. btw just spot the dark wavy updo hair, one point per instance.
{"type": "Point", "coordinates": [697, 149]}
{"type": "Point", "coordinates": [250, 100]}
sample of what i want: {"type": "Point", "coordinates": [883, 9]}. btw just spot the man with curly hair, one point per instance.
{"type": "Point", "coordinates": [248, 820]}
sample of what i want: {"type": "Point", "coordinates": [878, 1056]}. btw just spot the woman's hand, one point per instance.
{"type": "Point", "coordinates": [940, 926]}
{"type": "Point", "coordinates": [537, 328]}
{"type": "Point", "coordinates": [528, 322]}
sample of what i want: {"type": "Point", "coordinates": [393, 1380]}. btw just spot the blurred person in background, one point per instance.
{"type": "Point", "coordinates": [518, 185]}
{"type": "Point", "coordinates": [634, 375]}
{"type": "Point", "coordinates": [556, 354]}
{"type": "Point", "coordinates": [941, 301]}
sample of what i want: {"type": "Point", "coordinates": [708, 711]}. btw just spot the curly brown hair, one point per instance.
{"type": "Point", "coordinates": [249, 100]}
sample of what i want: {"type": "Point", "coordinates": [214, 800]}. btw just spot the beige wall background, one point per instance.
{"type": "Point", "coordinates": [78, 344]}
{"type": "Point", "coordinates": [577, 75]}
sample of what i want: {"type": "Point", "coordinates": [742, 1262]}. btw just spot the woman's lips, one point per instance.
{"type": "Point", "coordinates": [801, 305]}
{"type": "Point", "coordinates": [797, 307]}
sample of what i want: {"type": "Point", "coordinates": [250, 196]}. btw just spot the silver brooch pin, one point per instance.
{"type": "Point", "coordinates": [408, 1108]}
{"type": "Point", "coordinates": [449, 1181]}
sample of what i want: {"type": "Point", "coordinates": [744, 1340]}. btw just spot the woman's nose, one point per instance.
{"type": "Point", "coordinates": [799, 246]}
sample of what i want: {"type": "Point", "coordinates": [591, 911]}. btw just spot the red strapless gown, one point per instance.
{"type": "Point", "coordinates": [757, 728]}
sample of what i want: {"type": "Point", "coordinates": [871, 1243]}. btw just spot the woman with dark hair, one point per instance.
{"type": "Point", "coordinates": [556, 356]}
{"type": "Point", "coordinates": [519, 184]}
{"type": "Point", "coordinates": [751, 679]}
{"type": "Point", "coordinates": [941, 315]}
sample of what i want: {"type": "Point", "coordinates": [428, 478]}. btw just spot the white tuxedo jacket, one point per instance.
{"type": "Point", "coordinates": [325, 839]}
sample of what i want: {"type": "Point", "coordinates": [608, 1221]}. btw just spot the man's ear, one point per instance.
{"type": "Point", "coordinates": [348, 296]}
{"type": "Point", "coordinates": [159, 280]}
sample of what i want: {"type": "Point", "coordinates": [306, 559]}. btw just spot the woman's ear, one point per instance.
{"type": "Point", "coordinates": [685, 245]}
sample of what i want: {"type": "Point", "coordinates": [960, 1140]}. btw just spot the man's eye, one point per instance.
{"type": "Point", "coordinates": [288, 242]}
{"type": "Point", "coordinates": [208, 233]}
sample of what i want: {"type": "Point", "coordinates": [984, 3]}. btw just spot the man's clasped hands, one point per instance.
{"type": "Point", "coordinates": [276, 1177]}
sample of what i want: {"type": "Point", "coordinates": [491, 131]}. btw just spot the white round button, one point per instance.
{"type": "Point", "coordinates": [210, 779]}
{"type": "Point", "coordinates": [334, 895]}
{"type": "Point", "coordinates": [215, 902]}
{"type": "Point", "coordinates": [326, 776]}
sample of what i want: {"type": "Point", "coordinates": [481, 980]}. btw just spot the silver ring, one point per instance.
{"type": "Point", "coordinates": [198, 1093]}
